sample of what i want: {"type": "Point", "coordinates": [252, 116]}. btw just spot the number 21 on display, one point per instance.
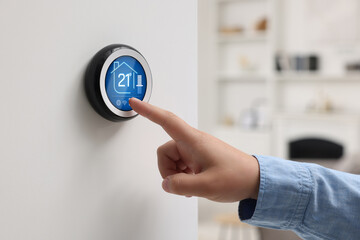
{"type": "Point", "coordinates": [125, 78]}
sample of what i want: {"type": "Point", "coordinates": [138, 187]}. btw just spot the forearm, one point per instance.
{"type": "Point", "coordinates": [306, 198]}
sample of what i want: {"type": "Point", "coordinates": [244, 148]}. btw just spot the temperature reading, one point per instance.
{"type": "Point", "coordinates": [122, 77]}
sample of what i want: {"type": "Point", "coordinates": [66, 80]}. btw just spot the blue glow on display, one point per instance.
{"type": "Point", "coordinates": [125, 78]}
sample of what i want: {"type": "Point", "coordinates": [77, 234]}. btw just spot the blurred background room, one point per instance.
{"type": "Point", "coordinates": [282, 78]}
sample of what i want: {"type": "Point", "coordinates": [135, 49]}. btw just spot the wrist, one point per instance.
{"type": "Point", "coordinates": [256, 179]}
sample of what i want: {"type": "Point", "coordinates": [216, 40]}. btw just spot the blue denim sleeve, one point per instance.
{"type": "Point", "coordinates": [313, 201]}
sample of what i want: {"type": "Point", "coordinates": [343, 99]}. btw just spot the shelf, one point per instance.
{"type": "Point", "coordinates": [257, 37]}
{"type": "Point", "coordinates": [236, 1]}
{"type": "Point", "coordinates": [318, 116]}
{"type": "Point", "coordinates": [241, 78]}
{"type": "Point", "coordinates": [313, 77]}
{"type": "Point", "coordinates": [239, 130]}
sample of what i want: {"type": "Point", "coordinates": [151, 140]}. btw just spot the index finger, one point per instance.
{"type": "Point", "coordinates": [177, 128]}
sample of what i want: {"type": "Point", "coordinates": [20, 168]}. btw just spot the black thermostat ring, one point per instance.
{"type": "Point", "coordinates": [95, 81]}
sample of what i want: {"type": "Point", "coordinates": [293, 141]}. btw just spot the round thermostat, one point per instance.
{"type": "Point", "coordinates": [114, 75]}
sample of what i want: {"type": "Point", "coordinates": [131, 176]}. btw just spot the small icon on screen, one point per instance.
{"type": "Point", "coordinates": [139, 84]}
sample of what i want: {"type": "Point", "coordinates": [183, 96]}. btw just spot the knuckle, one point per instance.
{"type": "Point", "coordinates": [162, 149]}
{"type": "Point", "coordinates": [201, 141]}
{"type": "Point", "coordinates": [176, 185]}
{"type": "Point", "coordinates": [210, 186]}
{"type": "Point", "coordinates": [170, 114]}
{"type": "Point", "coordinates": [169, 118]}
{"type": "Point", "coordinates": [159, 150]}
{"type": "Point", "coordinates": [205, 187]}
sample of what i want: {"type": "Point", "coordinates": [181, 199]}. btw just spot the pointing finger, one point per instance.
{"type": "Point", "coordinates": [177, 128]}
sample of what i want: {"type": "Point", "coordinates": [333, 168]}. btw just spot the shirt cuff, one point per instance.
{"type": "Point", "coordinates": [284, 192]}
{"type": "Point", "coordinates": [247, 208]}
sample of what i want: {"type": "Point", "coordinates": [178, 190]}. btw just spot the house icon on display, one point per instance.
{"type": "Point", "coordinates": [124, 78]}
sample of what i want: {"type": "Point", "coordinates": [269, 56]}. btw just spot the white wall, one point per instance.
{"type": "Point", "coordinates": [65, 172]}
{"type": "Point", "coordinates": [206, 65]}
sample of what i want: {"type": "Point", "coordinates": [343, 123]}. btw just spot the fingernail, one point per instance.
{"type": "Point", "coordinates": [135, 99]}
{"type": "Point", "coordinates": [166, 184]}
{"type": "Point", "coordinates": [132, 99]}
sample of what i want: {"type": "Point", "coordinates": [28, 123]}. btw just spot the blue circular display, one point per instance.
{"type": "Point", "coordinates": [125, 78]}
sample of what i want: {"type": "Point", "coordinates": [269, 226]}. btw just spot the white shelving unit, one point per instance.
{"type": "Point", "coordinates": [251, 73]}
{"type": "Point", "coordinates": [316, 78]}
{"type": "Point", "coordinates": [241, 78]}
{"type": "Point", "coordinates": [242, 38]}
{"type": "Point", "coordinates": [245, 73]}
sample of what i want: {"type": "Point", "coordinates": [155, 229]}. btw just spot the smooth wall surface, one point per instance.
{"type": "Point", "coordinates": [65, 172]}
